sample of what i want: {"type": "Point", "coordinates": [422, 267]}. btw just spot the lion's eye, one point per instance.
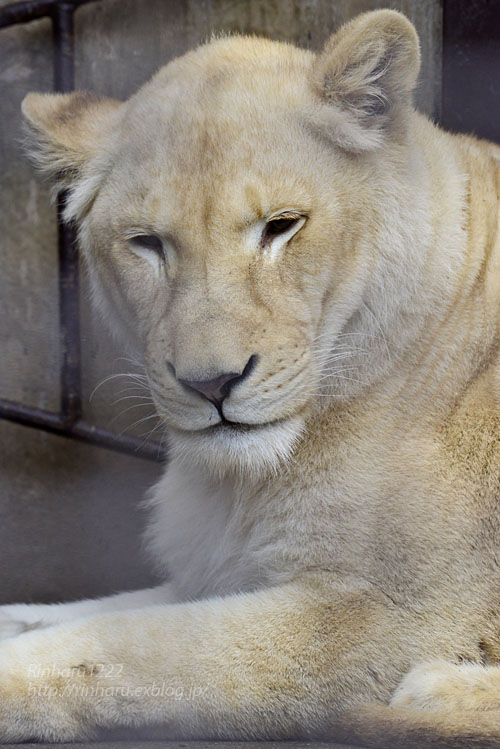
{"type": "Point", "coordinates": [148, 242]}
{"type": "Point", "coordinates": [279, 226]}
{"type": "Point", "coordinates": [279, 230]}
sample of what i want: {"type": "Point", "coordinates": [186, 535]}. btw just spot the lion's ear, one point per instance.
{"type": "Point", "coordinates": [65, 131]}
{"type": "Point", "coordinates": [367, 73]}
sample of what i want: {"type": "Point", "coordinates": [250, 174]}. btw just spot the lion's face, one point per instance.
{"type": "Point", "coordinates": [228, 236]}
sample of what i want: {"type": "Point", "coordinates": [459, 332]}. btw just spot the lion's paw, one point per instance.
{"type": "Point", "coordinates": [442, 686]}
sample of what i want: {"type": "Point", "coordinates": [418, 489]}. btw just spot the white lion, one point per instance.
{"type": "Point", "coordinates": [310, 271]}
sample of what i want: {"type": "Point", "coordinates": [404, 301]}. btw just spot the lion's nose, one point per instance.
{"type": "Point", "coordinates": [218, 388]}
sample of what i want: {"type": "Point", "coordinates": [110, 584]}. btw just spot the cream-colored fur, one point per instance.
{"type": "Point", "coordinates": [334, 543]}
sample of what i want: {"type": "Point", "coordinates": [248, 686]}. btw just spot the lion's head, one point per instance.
{"type": "Point", "coordinates": [234, 218]}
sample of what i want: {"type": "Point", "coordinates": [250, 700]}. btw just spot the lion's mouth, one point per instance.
{"type": "Point", "coordinates": [238, 427]}
{"type": "Point", "coordinates": [235, 428]}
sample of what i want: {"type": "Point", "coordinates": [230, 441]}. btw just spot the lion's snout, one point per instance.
{"type": "Point", "coordinates": [215, 388]}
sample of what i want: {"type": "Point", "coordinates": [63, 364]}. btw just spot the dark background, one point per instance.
{"type": "Point", "coordinates": [471, 67]}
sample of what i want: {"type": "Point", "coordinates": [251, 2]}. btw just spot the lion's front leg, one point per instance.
{"type": "Point", "coordinates": [272, 664]}
{"type": "Point", "coordinates": [16, 618]}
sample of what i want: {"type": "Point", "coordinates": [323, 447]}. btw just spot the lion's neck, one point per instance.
{"type": "Point", "coordinates": [432, 306]}
{"type": "Point", "coordinates": [460, 328]}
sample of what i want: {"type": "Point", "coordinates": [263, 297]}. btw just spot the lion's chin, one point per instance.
{"type": "Point", "coordinates": [241, 448]}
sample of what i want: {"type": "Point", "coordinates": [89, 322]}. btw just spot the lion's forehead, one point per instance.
{"type": "Point", "coordinates": [198, 135]}
{"type": "Point", "coordinates": [238, 175]}
{"type": "Point", "coordinates": [219, 103]}
{"type": "Point", "coordinates": [217, 137]}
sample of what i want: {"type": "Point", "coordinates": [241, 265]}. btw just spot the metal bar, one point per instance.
{"type": "Point", "coordinates": [69, 281]}
{"type": "Point", "coordinates": [80, 430]}
{"type": "Point", "coordinates": [64, 47]}
{"type": "Point", "coordinates": [31, 10]}
{"type": "Point", "coordinates": [69, 321]}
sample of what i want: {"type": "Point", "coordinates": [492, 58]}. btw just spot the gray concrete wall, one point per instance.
{"type": "Point", "coordinates": [68, 520]}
